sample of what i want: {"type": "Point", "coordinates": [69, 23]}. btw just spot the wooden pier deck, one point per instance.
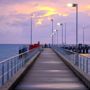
{"type": "Point", "coordinates": [50, 73]}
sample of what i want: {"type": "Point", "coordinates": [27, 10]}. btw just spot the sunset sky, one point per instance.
{"type": "Point", "coordinates": [15, 20]}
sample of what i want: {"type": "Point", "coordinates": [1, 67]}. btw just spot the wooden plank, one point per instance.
{"type": "Point", "coordinates": [50, 73]}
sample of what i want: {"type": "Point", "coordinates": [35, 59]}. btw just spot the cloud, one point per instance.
{"type": "Point", "coordinates": [15, 17]}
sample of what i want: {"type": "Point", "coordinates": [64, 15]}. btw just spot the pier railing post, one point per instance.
{"type": "Point", "coordinates": [7, 70]}
{"type": "Point", "coordinates": [2, 73]}
{"type": "Point", "coordinates": [87, 66]}
{"type": "Point", "coordinates": [83, 63]}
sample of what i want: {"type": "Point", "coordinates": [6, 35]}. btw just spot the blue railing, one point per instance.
{"type": "Point", "coordinates": [9, 67]}
{"type": "Point", "coordinates": [80, 60]}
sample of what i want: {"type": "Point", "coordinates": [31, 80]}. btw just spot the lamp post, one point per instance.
{"type": "Point", "coordinates": [61, 24]}
{"type": "Point", "coordinates": [62, 32]}
{"type": "Point", "coordinates": [83, 28]}
{"type": "Point", "coordinates": [57, 35]}
{"type": "Point", "coordinates": [76, 5]}
{"type": "Point", "coordinates": [31, 29]}
{"type": "Point", "coordinates": [65, 33]}
{"type": "Point", "coordinates": [52, 30]}
{"type": "Point", "coordinates": [52, 35]}
{"type": "Point", "coordinates": [83, 36]}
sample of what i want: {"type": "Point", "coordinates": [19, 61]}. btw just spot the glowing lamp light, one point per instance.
{"type": "Point", "coordinates": [70, 5]}
{"type": "Point", "coordinates": [55, 30]}
{"type": "Point", "coordinates": [58, 24]}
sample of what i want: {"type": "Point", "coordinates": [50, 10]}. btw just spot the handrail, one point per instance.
{"type": "Point", "coordinates": [16, 56]}
{"type": "Point", "coordinates": [79, 54]}
{"type": "Point", "coordinates": [70, 51]}
{"type": "Point", "coordinates": [11, 65]}
{"type": "Point", "coordinates": [82, 73]}
{"type": "Point", "coordinates": [83, 62]}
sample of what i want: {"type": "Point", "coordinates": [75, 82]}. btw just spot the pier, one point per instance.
{"type": "Point", "coordinates": [44, 45]}
{"type": "Point", "coordinates": [48, 69]}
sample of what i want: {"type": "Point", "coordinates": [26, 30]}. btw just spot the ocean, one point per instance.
{"type": "Point", "coordinates": [9, 50]}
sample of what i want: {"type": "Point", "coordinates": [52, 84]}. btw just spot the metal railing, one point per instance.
{"type": "Point", "coordinates": [83, 61]}
{"type": "Point", "coordinates": [10, 66]}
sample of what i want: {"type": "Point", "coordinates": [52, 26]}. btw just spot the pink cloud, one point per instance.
{"type": "Point", "coordinates": [15, 17]}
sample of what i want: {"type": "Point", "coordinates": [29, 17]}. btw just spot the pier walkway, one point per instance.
{"type": "Point", "coordinates": [50, 73]}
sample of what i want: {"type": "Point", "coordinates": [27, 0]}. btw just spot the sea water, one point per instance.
{"type": "Point", "coordinates": [9, 50]}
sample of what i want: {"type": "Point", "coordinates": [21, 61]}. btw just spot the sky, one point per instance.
{"type": "Point", "coordinates": [15, 18]}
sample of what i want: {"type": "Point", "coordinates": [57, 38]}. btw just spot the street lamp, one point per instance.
{"type": "Point", "coordinates": [60, 24]}
{"type": "Point", "coordinates": [31, 28]}
{"type": "Point", "coordinates": [52, 35]}
{"type": "Point", "coordinates": [63, 24]}
{"type": "Point", "coordinates": [65, 33]}
{"type": "Point", "coordinates": [52, 30]}
{"type": "Point", "coordinates": [83, 36]}
{"type": "Point", "coordinates": [75, 5]}
{"type": "Point", "coordinates": [62, 31]}
{"type": "Point", "coordinates": [57, 35]}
